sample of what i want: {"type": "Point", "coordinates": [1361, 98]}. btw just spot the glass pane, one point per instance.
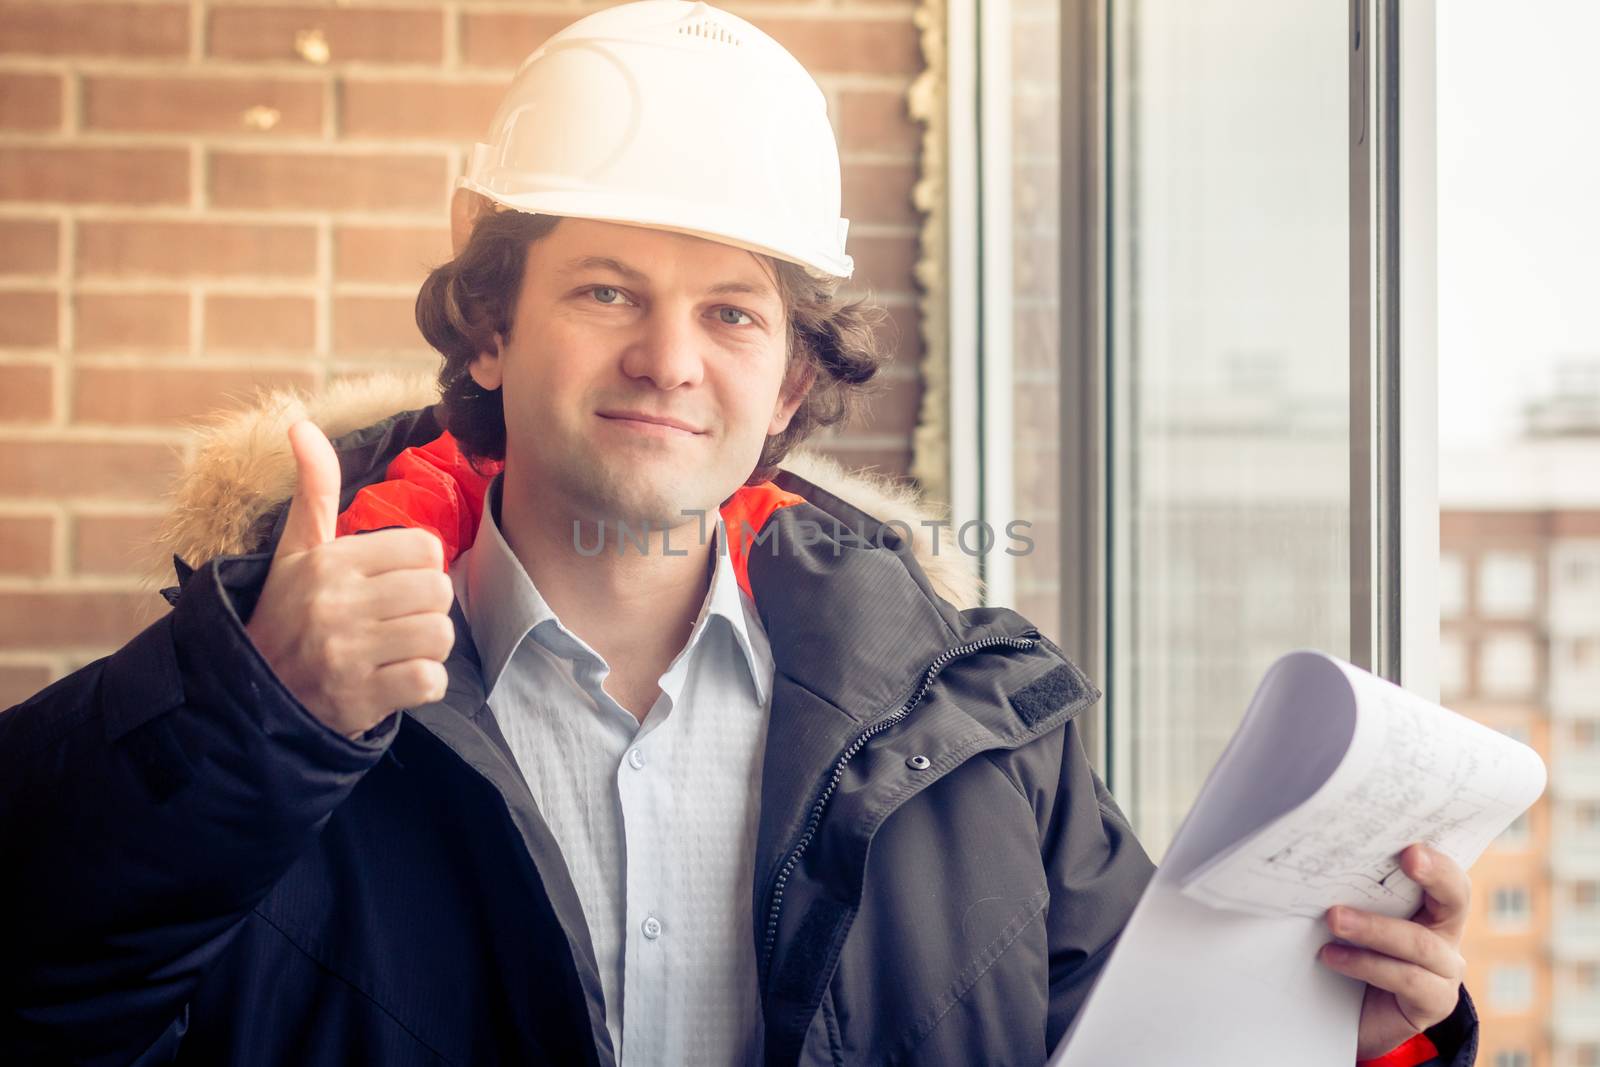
{"type": "Point", "coordinates": [1230, 356]}
{"type": "Point", "coordinates": [1035, 308]}
{"type": "Point", "coordinates": [1519, 490]}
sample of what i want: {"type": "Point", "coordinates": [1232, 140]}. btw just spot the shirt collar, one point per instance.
{"type": "Point", "coordinates": [503, 606]}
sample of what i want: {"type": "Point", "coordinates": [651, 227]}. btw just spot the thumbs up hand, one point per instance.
{"type": "Point", "coordinates": [354, 627]}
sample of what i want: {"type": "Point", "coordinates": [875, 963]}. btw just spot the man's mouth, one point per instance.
{"type": "Point", "coordinates": [645, 422]}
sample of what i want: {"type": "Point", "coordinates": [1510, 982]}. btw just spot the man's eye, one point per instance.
{"type": "Point", "coordinates": [605, 294]}
{"type": "Point", "coordinates": [725, 312]}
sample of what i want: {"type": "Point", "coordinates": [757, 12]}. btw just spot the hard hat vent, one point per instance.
{"type": "Point", "coordinates": [710, 30]}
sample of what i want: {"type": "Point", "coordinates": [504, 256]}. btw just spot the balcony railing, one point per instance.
{"type": "Point", "coordinates": [1575, 1017]}
{"type": "Point", "coordinates": [1575, 935]}
{"type": "Point", "coordinates": [1575, 695]}
{"type": "Point", "coordinates": [1576, 775]}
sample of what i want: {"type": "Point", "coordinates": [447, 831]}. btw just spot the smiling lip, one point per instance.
{"type": "Point", "coordinates": [657, 420]}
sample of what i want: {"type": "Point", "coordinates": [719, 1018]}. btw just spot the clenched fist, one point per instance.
{"type": "Point", "coordinates": [356, 627]}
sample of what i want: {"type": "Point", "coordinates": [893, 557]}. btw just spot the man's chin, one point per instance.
{"type": "Point", "coordinates": [640, 509]}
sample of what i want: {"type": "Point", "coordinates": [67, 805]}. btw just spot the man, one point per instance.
{"type": "Point", "coordinates": [757, 795]}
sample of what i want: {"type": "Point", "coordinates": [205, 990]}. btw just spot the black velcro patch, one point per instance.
{"type": "Point", "coordinates": [809, 950]}
{"type": "Point", "coordinates": [1048, 694]}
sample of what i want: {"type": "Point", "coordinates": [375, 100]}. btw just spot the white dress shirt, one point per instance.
{"type": "Point", "coordinates": [656, 819]}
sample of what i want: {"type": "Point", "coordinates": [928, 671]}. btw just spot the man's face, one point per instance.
{"type": "Point", "coordinates": [616, 321]}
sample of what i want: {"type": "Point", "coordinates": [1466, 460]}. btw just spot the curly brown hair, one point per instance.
{"type": "Point", "coordinates": [465, 302]}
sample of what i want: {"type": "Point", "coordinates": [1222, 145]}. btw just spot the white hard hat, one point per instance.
{"type": "Point", "coordinates": [674, 115]}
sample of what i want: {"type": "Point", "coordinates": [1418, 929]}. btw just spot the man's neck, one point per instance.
{"type": "Point", "coordinates": [636, 607]}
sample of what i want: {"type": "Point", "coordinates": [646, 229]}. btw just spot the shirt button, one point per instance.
{"type": "Point", "coordinates": [636, 758]}
{"type": "Point", "coordinates": [652, 927]}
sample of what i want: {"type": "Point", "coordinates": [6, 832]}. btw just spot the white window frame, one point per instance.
{"type": "Point", "coordinates": [1394, 427]}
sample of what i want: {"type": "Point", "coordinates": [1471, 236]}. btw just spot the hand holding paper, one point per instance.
{"type": "Point", "coordinates": [1412, 968]}
{"type": "Point", "coordinates": [1331, 775]}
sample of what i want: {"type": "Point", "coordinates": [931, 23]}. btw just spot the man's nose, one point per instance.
{"type": "Point", "coordinates": [667, 350]}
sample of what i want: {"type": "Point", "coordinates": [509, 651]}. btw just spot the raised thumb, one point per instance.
{"type": "Point", "coordinates": [314, 508]}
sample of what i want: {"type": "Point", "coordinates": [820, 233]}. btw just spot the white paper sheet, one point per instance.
{"type": "Point", "coordinates": [1331, 773]}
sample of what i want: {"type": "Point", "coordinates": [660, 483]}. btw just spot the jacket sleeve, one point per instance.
{"type": "Point", "coordinates": [1096, 870]}
{"type": "Point", "coordinates": [1452, 1042]}
{"type": "Point", "coordinates": [147, 802]}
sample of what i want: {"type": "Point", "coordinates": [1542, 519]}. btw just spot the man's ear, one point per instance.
{"type": "Point", "coordinates": [793, 395]}
{"type": "Point", "coordinates": [487, 369]}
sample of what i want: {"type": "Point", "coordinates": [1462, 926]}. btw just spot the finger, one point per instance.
{"type": "Point", "coordinates": [416, 590]}
{"type": "Point", "coordinates": [314, 508]}
{"type": "Point", "coordinates": [429, 636]}
{"type": "Point", "coordinates": [392, 549]}
{"type": "Point", "coordinates": [409, 683]}
{"type": "Point", "coordinates": [1399, 939]}
{"type": "Point", "coordinates": [1446, 889]}
{"type": "Point", "coordinates": [1424, 997]}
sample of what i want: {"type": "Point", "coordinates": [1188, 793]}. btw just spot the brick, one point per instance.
{"type": "Point", "coordinates": [19, 681]}
{"type": "Point", "coordinates": [156, 395]}
{"type": "Point", "coordinates": [195, 249]}
{"type": "Point", "coordinates": [891, 461]}
{"type": "Point", "coordinates": [1039, 564]}
{"type": "Point", "coordinates": [504, 39]}
{"type": "Point", "coordinates": [823, 45]}
{"type": "Point", "coordinates": [203, 105]}
{"type": "Point", "coordinates": [74, 619]}
{"type": "Point", "coordinates": [371, 35]}
{"type": "Point", "coordinates": [893, 410]}
{"type": "Point", "coordinates": [95, 175]}
{"type": "Point", "coordinates": [131, 320]}
{"type": "Point", "coordinates": [420, 361]}
{"type": "Point", "coordinates": [879, 193]}
{"type": "Point", "coordinates": [27, 392]}
{"type": "Point", "coordinates": [26, 544]}
{"type": "Point", "coordinates": [900, 334]}
{"type": "Point", "coordinates": [56, 469]}
{"type": "Point", "coordinates": [850, 46]}
{"type": "Point", "coordinates": [1036, 267]}
{"type": "Point", "coordinates": [113, 544]}
{"type": "Point", "coordinates": [437, 110]}
{"type": "Point", "coordinates": [1036, 200]}
{"type": "Point", "coordinates": [53, 28]}
{"type": "Point", "coordinates": [1036, 126]}
{"type": "Point", "coordinates": [388, 253]}
{"type": "Point", "coordinates": [1036, 50]}
{"type": "Point", "coordinates": [27, 319]}
{"type": "Point", "coordinates": [1036, 412]}
{"type": "Point", "coordinates": [1039, 479]}
{"type": "Point", "coordinates": [329, 181]}
{"type": "Point", "coordinates": [884, 264]}
{"type": "Point", "coordinates": [28, 246]}
{"type": "Point", "coordinates": [30, 101]}
{"type": "Point", "coordinates": [368, 323]}
{"type": "Point", "coordinates": [1043, 609]}
{"type": "Point", "coordinates": [260, 323]}
{"type": "Point", "coordinates": [876, 121]}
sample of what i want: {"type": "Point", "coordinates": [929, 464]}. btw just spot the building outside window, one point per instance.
{"type": "Point", "coordinates": [1452, 585]}
{"type": "Point", "coordinates": [1511, 988]}
{"type": "Point", "coordinates": [1508, 665]}
{"type": "Point", "coordinates": [1508, 585]}
{"type": "Point", "coordinates": [1509, 908]}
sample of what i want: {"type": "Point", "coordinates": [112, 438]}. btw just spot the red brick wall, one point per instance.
{"type": "Point", "coordinates": [200, 197]}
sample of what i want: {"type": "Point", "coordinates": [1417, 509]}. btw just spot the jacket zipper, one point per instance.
{"type": "Point", "coordinates": [815, 818]}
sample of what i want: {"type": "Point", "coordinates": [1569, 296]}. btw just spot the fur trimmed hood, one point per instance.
{"type": "Point", "coordinates": [238, 469]}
